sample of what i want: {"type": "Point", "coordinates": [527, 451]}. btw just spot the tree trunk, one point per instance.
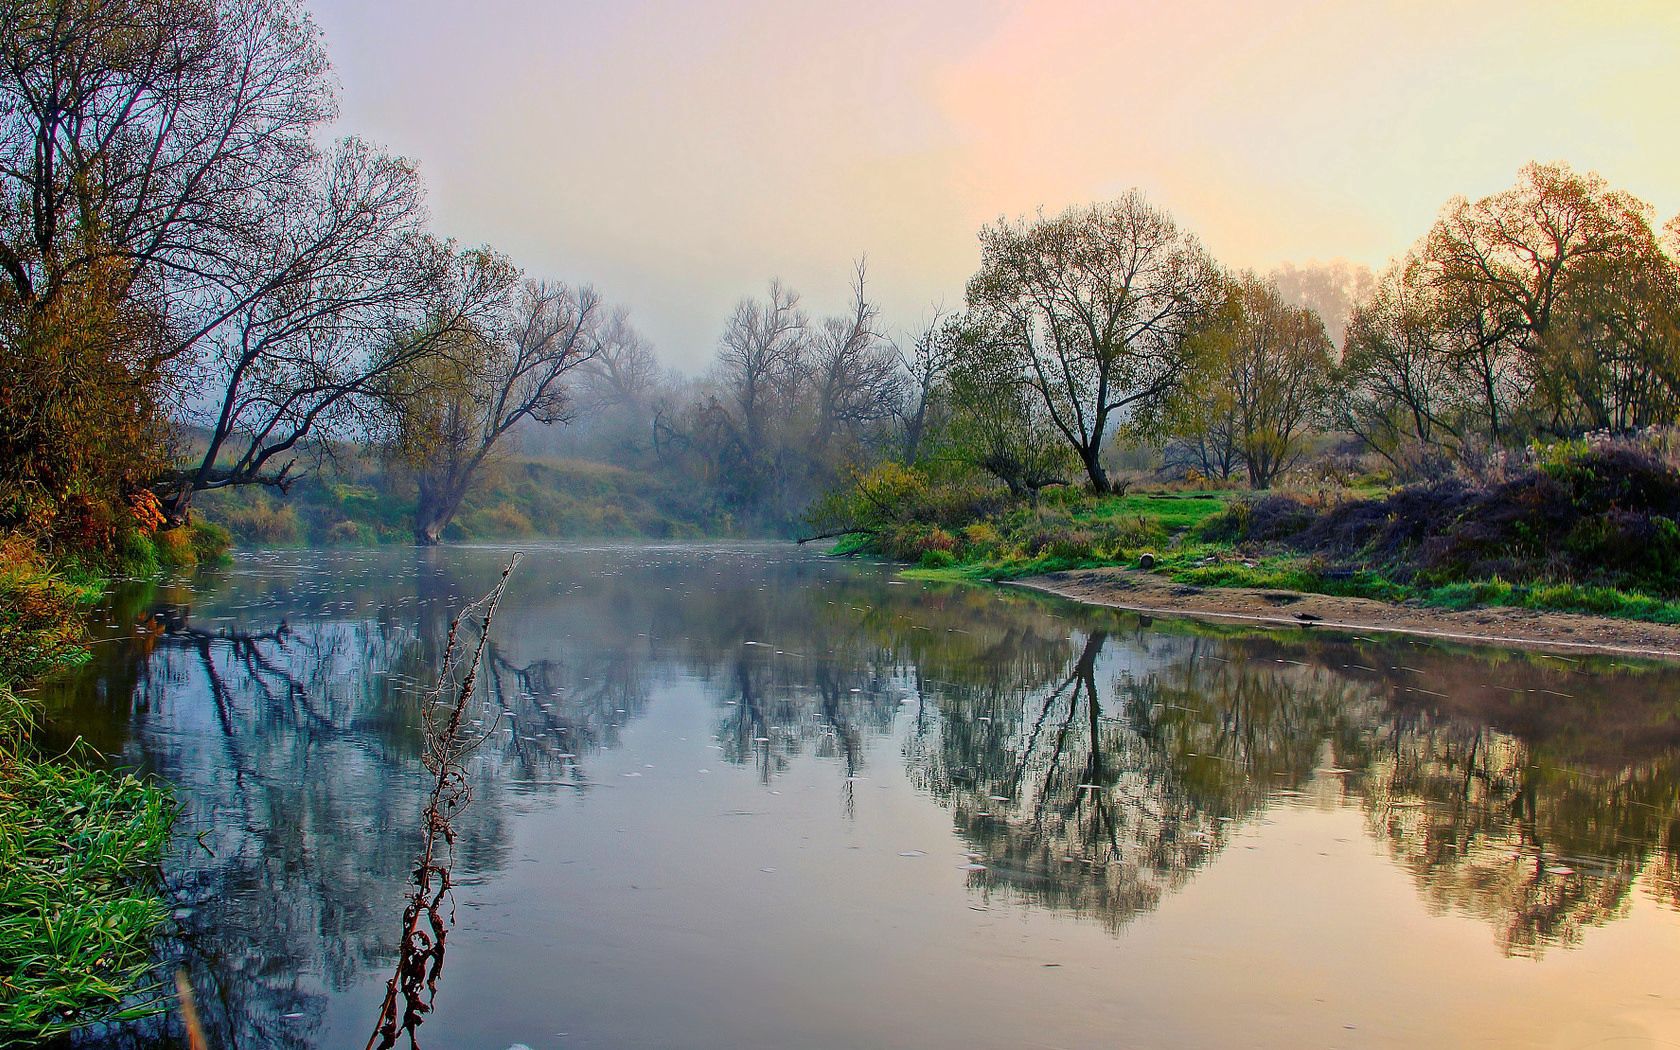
{"type": "Point", "coordinates": [177, 505]}
{"type": "Point", "coordinates": [435, 509]}
{"type": "Point", "coordinates": [1091, 456]}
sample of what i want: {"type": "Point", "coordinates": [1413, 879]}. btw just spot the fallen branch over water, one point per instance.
{"type": "Point", "coordinates": [410, 992]}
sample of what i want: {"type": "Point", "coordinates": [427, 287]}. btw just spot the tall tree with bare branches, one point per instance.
{"type": "Point", "coordinates": [455, 410]}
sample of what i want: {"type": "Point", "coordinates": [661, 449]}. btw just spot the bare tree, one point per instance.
{"type": "Point", "coordinates": [1095, 305]}
{"type": "Point", "coordinates": [924, 358]}
{"type": "Point", "coordinates": [143, 147]}
{"type": "Point", "coordinates": [457, 408]}
{"type": "Point", "coordinates": [157, 134]}
{"type": "Point", "coordinates": [744, 423]}
{"type": "Point", "coordinates": [762, 359]}
{"type": "Point", "coordinates": [855, 375]}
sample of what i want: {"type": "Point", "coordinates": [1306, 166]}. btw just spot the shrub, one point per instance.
{"type": "Point", "coordinates": [504, 519]}
{"type": "Point", "coordinates": [40, 622]}
{"type": "Point", "coordinates": [262, 522]}
{"type": "Point", "coordinates": [1227, 526]}
{"type": "Point", "coordinates": [982, 536]}
{"type": "Point", "coordinates": [1600, 514]}
{"type": "Point", "coordinates": [210, 542]}
{"type": "Point", "coordinates": [175, 548]}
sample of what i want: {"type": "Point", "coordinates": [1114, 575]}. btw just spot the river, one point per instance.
{"type": "Point", "coordinates": [745, 796]}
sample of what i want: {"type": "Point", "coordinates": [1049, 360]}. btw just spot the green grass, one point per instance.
{"type": "Point", "coordinates": [75, 921]}
{"type": "Point", "coordinates": [1008, 569]}
{"type": "Point", "coordinates": [1555, 597]}
{"type": "Point", "coordinates": [1298, 575]}
{"type": "Point", "coordinates": [1173, 511]}
{"type": "Point", "coordinates": [78, 845]}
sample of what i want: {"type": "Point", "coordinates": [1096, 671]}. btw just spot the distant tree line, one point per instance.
{"type": "Point", "coordinates": [1546, 310]}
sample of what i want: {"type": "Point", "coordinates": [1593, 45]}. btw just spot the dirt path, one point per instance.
{"type": "Point", "coordinates": [1150, 593]}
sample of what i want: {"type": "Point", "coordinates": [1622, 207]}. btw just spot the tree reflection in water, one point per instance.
{"type": "Point", "coordinates": [1092, 761]}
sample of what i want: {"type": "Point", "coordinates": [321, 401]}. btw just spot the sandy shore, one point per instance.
{"type": "Point", "coordinates": [1150, 593]}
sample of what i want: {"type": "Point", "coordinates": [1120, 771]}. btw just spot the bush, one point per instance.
{"type": "Point", "coordinates": [504, 519]}
{"type": "Point", "coordinates": [981, 538]}
{"type": "Point", "coordinates": [1228, 526]}
{"type": "Point", "coordinates": [891, 495]}
{"type": "Point", "coordinates": [262, 522]}
{"type": "Point", "coordinates": [210, 542]}
{"type": "Point", "coordinates": [1602, 514]}
{"type": "Point", "coordinates": [40, 615]}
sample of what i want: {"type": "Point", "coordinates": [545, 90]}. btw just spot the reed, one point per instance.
{"type": "Point", "coordinates": [428, 915]}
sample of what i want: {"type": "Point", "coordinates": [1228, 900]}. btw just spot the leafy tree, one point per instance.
{"type": "Point", "coordinates": [1498, 267]}
{"type": "Point", "coordinates": [999, 424]}
{"type": "Point", "coordinates": [1547, 307]}
{"type": "Point", "coordinates": [1611, 359]}
{"type": "Point", "coordinates": [1094, 307]}
{"type": "Point", "coordinates": [1260, 381]}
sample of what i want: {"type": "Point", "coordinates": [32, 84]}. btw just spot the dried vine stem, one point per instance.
{"type": "Point", "coordinates": [413, 987]}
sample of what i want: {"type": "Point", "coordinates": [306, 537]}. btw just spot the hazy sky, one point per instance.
{"type": "Point", "coordinates": [677, 155]}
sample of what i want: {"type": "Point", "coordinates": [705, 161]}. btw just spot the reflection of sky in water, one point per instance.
{"type": "Point", "coordinates": [747, 797]}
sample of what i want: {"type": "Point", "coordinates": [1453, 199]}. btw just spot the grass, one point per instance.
{"type": "Point", "coordinates": [78, 845]}
{"type": "Point", "coordinates": [1173, 511]}
{"type": "Point", "coordinates": [75, 922]}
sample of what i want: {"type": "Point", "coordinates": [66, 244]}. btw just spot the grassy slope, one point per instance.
{"type": "Point", "coordinates": [354, 502]}
{"type": "Point", "coordinates": [78, 845]}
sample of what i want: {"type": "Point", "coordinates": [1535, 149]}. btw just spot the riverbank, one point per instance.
{"type": "Point", "coordinates": [1140, 591]}
{"type": "Point", "coordinates": [79, 845]}
{"type": "Point", "coordinates": [1588, 529]}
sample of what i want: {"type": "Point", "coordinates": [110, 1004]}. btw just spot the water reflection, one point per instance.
{"type": "Point", "coordinates": [1091, 761]}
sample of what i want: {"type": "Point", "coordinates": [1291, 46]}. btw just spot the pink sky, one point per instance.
{"type": "Point", "coordinates": [678, 155]}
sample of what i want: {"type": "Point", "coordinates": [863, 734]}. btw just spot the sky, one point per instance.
{"type": "Point", "coordinates": [679, 155]}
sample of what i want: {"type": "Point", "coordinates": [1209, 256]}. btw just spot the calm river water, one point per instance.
{"type": "Point", "coordinates": [743, 796]}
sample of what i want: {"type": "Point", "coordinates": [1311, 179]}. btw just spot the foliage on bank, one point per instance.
{"type": "Point", "coordinates": [963, 523]}
{"type": "Point", "coordinates": [1589, 526]}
